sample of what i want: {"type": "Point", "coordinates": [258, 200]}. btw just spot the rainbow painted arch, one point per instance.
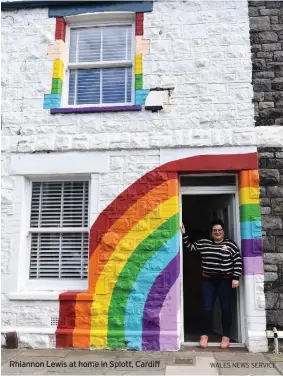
{"type": "Point", "coordinates": [133, 297]}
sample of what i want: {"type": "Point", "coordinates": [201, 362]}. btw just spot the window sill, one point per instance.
{"type": "Point", "coordinates": [35, 295]}
{"type": "Point", "coordinates": [74, 110]}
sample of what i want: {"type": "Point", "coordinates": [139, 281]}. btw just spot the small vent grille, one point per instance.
{"type": "Point", "coordinates": [54, 321]}
{"type": "Point", "coordinates": [52, 342]}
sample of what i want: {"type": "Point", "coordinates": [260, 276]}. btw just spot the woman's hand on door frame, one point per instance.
{"type": "Point", "coordinates": [235, 283]}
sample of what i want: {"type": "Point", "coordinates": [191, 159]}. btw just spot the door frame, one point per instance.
{"type": "Point", "coordinates": [214, 190]}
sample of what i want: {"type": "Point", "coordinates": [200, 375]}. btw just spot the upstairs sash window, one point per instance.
{"type": "Point", "coordinates": [101, 65]}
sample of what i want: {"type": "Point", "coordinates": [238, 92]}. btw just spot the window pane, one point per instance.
{"type": "Point", "coordinates": [100, 44]}
{"type": "Point", "coordinates": [59, 256]}
{"type": "Point", "coordinates": [116, 85]}
{"type": "Point", "coordinates": [189, 181]}
{"type": "Point", "coordinates": [85, 45]}
{"type": "Point", "coordinates": [59, 204]}
{"type": "Point", "coordinates": [116, 43]}
{"type": "Point", "coordinates": [85, 86]}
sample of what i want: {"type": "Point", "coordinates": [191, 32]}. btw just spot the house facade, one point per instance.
{"type": "Point", "coordinates": [114, 116]}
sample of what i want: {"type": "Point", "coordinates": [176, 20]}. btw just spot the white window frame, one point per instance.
{"type": "Point", "coordinates": [97, 20]}
{"type": "Point", "coordinates": [51, 284]}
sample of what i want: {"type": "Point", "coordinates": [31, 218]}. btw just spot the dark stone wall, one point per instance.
{"type": "Point", "coordinates": [266, 35]}
{"type": "Point", "coordinates": [271, 192]}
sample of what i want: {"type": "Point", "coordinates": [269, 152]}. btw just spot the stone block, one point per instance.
{"type": "Point", "coordinates": [273, 96]}
{"type": "Point", "coordinates": [58, 69]}
{"type": "Point", "coordinates": [273, 258]}
{"type": "Point", "coordinates": [277, 205]}
{"type": "Point", "coordinates": [270, 222]}
{"type": "Point", "coordinates": [275, 191]}
{"type": "Point", "coordinates": [264, 37]}
{"type": "Point", "coordinates": [271, 47]}
{"type": "Point", "coordinates": [138, 64]}
{"type": "Point", "coordinates": [265, 201]}
{"type": "Point", "coordinates": [259, 65]}
{"type": "Point", "coordinates": [274, 20]}
{"type": "Point", "coordinates": [138, 81]}
{"type": "Point", "coordinates": [269, 176]}
{"type": "Point", "coordinates": [269, 12]}
{"type": "Point", "coordinates": [277, 232]}
{"type": "Point", "coordinates": [57, 85]}
{"type": "Point", "coordinates": [256, 48]}
{"type": "Point", "coordinates": [264, 105]}
{"type": "Point", "coordinates": [253, 12]}
{"type": "Point", "coordinates": [271, 113]}
{"type": "Point", "coordinates": [264, 74]}
{"type": "Point", "coordinates": [273, 4]}
{"type": "Point", "coordinates": [51, 101]}
{"type": "Point", "coordinates": [56, 51]}
{"type": "Point", "coordinates": [278, 56]}
{"type": "Point", "coordinates": [142, 45]}
{"type": "Point", "coordinates": [265, 210]}
{"type": "Point", "coordinates": [270, 276]}
{"type": "Point", "coordinates": [260, 23]}
{"type": "Point", "coordinates": [262, 84]}
{"type": "Point", "coordinates": [274, 318]}
{"type": "Point", "coordinates": [271, 300]}
{"type": "Point", "coordinates": [258, 96]}
{"type": "Point", "coordinates": [139, 23]}
{"type": "Point", "coordinates": [268, 243]}
{"type": "Point", "coordinates": [60, 30]}
{"type": "Point", "coordinates": [270, 268]}
{"type": "Point", "coordinates": [277, 84]}
{"type": "Point", "coordinates": [262, 192]}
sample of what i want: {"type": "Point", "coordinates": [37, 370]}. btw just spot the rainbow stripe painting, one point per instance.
{"type": "Point", "coordinates": [250, 223]}
{"type": "Point", "coordinates": [133, 297]}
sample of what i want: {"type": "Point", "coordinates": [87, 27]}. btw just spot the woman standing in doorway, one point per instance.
{"type": "Point", "coordinates": [221, 267]}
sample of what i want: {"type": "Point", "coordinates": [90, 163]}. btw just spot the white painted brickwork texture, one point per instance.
{"type": "Point", "coordinates": [199, 47]}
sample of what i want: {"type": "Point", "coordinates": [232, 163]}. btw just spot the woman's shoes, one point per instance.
{"type": "Point", "coordinates": [225, 342]}
{"type": "Point", "coordinates": [203, 342]}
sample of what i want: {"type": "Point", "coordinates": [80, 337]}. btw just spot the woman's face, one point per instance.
{"type": "Point", "coordinates": [217, 233]}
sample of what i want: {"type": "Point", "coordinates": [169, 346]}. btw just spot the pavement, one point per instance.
{"type": "Point", "coordinates": [189, 361]}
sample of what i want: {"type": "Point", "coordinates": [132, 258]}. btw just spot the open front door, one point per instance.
{"type": "Point", "coordinates": [224, 208]}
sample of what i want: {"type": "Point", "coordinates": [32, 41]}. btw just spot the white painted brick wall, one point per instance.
{"type": "Point", "coordinates": [125, 168]}
{"type": "Point", "coordinates": [201, 48]}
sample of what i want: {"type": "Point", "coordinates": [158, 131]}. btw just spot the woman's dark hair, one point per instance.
{"type": "Point", "coordinates": [216, 222]}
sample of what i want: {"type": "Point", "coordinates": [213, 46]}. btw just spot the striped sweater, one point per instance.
{"type": "Point", "coordinates": [217, 258]}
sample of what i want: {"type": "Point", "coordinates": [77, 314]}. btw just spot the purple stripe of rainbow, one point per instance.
{"type": "Point", "coordinates": [151, 321]}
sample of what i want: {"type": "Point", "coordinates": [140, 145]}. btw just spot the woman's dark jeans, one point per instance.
{"type": "Point", "coordinates": [211, 287]}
